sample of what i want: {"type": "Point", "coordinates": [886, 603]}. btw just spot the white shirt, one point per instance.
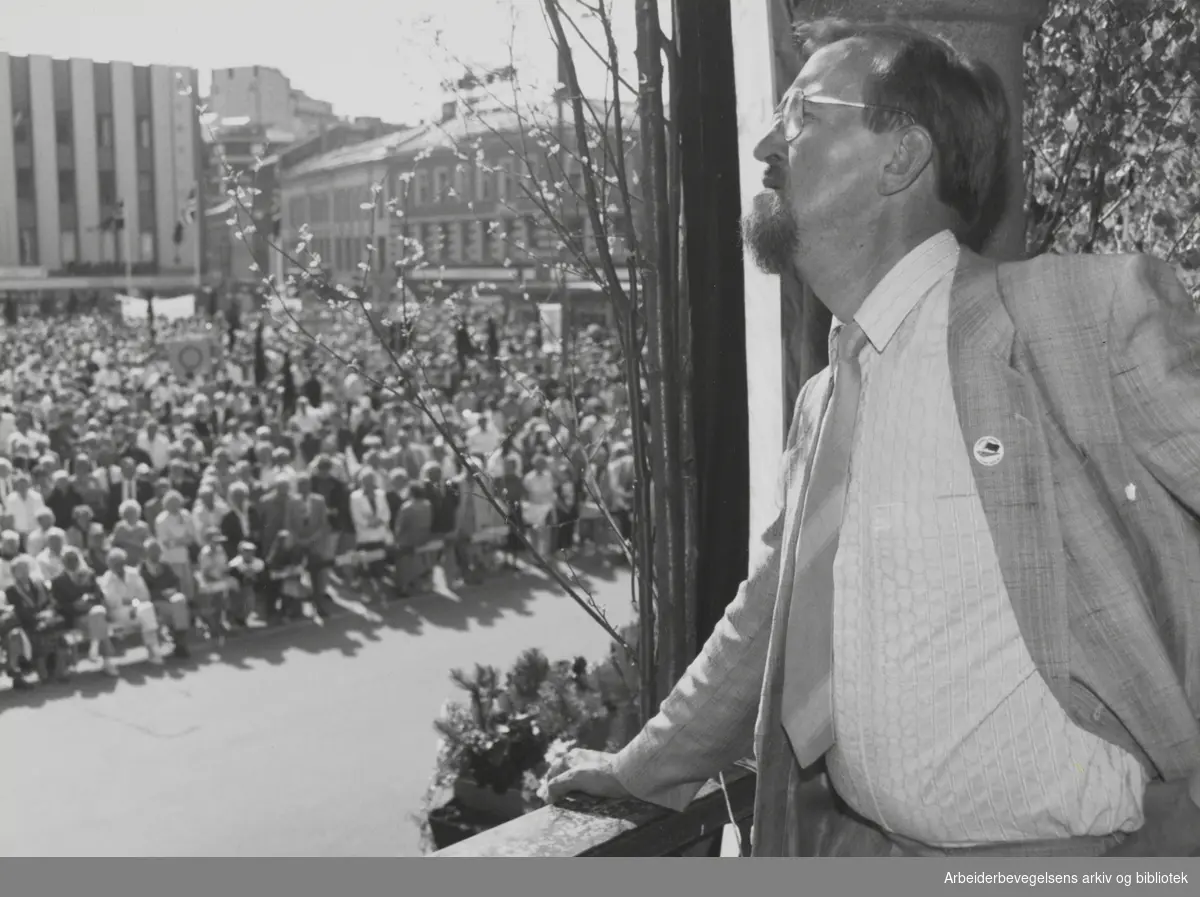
{"type": "Point", "coordinates": [158, 448]}
{"type": "Point", "coordinates": [482, 442]}
{"type": "Point", "coordinates": [121, 594]}
{"type": "Point", "coordinates": [945, 730]}
{"type": "Point", "coordinates": [24, 510]}
{"type": "Point", "coordinates": [371, 524]}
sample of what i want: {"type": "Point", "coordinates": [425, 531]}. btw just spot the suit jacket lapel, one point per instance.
{"type": "Point", "coordinates": [996, 400]}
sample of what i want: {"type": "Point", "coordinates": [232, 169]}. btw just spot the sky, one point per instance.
{"type": "Point", "coordinates": [384, 58]}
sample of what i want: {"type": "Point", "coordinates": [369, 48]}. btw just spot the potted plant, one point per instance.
{"type": "Point", "coordinates": [496, 745]}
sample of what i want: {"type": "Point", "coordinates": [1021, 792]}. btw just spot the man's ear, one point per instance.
{"type": "Point", "coordinates": [912, 154]}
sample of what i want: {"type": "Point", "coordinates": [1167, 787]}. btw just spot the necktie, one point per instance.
{"type": "Point", "coordinates": [808, 658]}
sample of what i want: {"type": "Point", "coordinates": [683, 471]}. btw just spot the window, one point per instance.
{"type": "Point", "coordinates": [461, 182]}
{"type": "Point", "coordinates": [441, 184]}
{"type": "Point", "coordinates": [497, 245]}
{"type": "Point", "coordinates": [145, 183]}
{"type": "Point", "coordinates": [64, 127]}
{"type": "Point", "coordinates": [420, 184]}
{"type": "Point", "coordinates": [485, 184]}
{"type": "Point", "coordinates": [434, 239]}
{"type": "Point", "coordinates": [21, 125]}
{"type": "Point", "coordinates": [503, 176]}
{"type": "Point", "coordinates": [143, 127]}
{"type": "Point", "coordinates": [25, 185]}
{"type": "Point", "coordinates": [104, 131]}
{"type": "Point", "coordinates": [68, 247]}
{"type": "Point", "coordinates": [66, 188]}
{"type": "Point", "coordinates": [28, 241]}
{"type": "Point", "coordinates": [380, 260]}
{"type": "Point", "coordinates": [475, 243]}
{"type": "Point", "coordinates": [108, 246]}
{"type": "Point", "coordinates": [107, 183]}
{"type": "Point", "coordinates": [147, 246]}
{"type": "Point", "coordinates": [455, 253]}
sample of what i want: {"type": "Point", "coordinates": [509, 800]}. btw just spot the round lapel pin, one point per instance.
{"type": "Point", "coordinates": [989, 451]}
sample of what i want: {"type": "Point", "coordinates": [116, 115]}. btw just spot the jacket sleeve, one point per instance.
{"type": "Point", "coordinates": [706, 723]}
{"type": "Point", "coordinates": [1154, 353]}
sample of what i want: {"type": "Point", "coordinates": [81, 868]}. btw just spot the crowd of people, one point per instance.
{"type": "Point", "coordinates": [139, 504]}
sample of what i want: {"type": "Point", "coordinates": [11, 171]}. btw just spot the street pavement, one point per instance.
{"type": "Point", "coordinates": [301, 741]}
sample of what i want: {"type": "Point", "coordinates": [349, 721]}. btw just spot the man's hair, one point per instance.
{"type": "Point", "coordinates": [960, 101]}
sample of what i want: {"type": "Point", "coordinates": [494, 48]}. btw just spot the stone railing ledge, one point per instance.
{"type": "Point", "coordinates": [585, 826]}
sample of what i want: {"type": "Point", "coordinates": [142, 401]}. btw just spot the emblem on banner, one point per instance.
{"type": "Point", "coordinates": [190, 357]}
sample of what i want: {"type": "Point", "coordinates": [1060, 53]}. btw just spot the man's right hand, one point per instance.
{"type": "Point", "coordinates": [584, 772]}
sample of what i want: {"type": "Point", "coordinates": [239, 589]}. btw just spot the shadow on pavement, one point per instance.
{"type": "Point", "coordinates": [353, 623]}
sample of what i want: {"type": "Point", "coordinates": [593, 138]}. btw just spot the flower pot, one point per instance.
{"type": "Point", "coordinates": [506, 805]}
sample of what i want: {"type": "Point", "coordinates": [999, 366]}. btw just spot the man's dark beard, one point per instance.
{"type": "Point", "coordinates": [769, 233]}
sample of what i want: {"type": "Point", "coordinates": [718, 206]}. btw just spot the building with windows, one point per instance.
{"type": "Point", "coordinates": [83, 144]}
{"type": "Point", "coordinates": [264, 96]}
{"type": "Point", "coordinates": [457, 218]}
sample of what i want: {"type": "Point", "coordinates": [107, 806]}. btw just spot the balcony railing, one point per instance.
{"type": "Point", "coordinates": [587, 827]}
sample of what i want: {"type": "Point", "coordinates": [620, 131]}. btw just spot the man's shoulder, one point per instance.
{"type": "Point", "coordinates": [1089, 276]}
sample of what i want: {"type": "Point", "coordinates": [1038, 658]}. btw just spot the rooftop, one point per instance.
{"type": "Point", "coordinates": [449, 134]}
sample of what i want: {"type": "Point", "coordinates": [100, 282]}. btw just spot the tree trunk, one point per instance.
{"type": "Point", "coordinates": [666, 364]}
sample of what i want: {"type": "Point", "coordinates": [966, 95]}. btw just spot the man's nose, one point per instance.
{"type": "Point", "coordinates": [771, 147]}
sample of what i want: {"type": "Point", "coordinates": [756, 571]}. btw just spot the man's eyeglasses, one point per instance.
{"type": "Point", "coordinates": [789, 115]}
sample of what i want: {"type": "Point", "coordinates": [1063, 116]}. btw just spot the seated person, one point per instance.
{"type": "Point", "coordinates": [214, 585]}
{"type": "Point", "coordinates": [77, 598]}
{"type": "Point", "coordinates": [35, 639]}
{"type": "Point", "coordinates": [129, 604]}
{"type": "Point", "coordinates": [169, 603]}
{"type": "Point", "coordinates": [49, 561]}
{"type": "Point", "coordinates": [248, 570]}
{"type": "Point", "coordinates": [285, 572]}
{"type": "Point", "coordinates": [131, 532]}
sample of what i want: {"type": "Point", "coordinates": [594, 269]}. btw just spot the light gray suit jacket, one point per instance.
{"type": "Point", "coordinates": [1087, 369]}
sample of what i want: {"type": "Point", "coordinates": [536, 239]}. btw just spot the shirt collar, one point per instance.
{"type": "Point", "coordinates": [904, 286]}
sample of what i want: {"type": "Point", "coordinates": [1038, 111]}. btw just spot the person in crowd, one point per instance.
{"type": "Point", "coordinates": [154, 506]}
{"type": "Point", "coordinates": [174, 530]}
{"type": "Point", "coordinates": [81, 521]}
{"type": "Point", "coordinates": [156, 445]}
{"type": "Point", "coordinates": [131, 532]}
{"type": "Point", "coordinates": [214, 585]}
{"type": "Point", "coordinates": [166, 595]}
{"type": "Point", "coordinates": [96, 553]}
{"type": "Point", "coordinates": [77, 598]}
{"type": "Point", "coordinates": [540, 504]}
{"type": "Point", "coordinates": [23, 505]}
{"type": "Point", "coordinates": [309, 524]}
{"type": "Point", "coordinates": [242, 522]}
{"type": "Point", "coordinates": [371, 516]}
{"type": "Point", "coordinates": [286, 591]}
{"type": "Point", "coordinates": [35, 540]}
{"type": "Point", "coordinates": [132, 484]}
{"type": "Point", "coordinates": [34, 643]}
{"type": "Point", "coordinates": [414, 528]}
{"type": "Point", "coordinates": [332, 488]}
{"type": "Point", "coordinates": [130, 607]}
{"type": "Point", "coordinates": [620, 476]}
{"type": "Point", "coordinates": [208, 510]}
{"type": "Point", "coordinates": [249, 571]}
{"type": "Point", "coordinates": [49, 562]}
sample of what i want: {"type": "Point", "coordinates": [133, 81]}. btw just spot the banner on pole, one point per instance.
{"type": "Point", "coordinates": [134, 308]}
{"type": "Point", "coordinates": [191, 356]}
